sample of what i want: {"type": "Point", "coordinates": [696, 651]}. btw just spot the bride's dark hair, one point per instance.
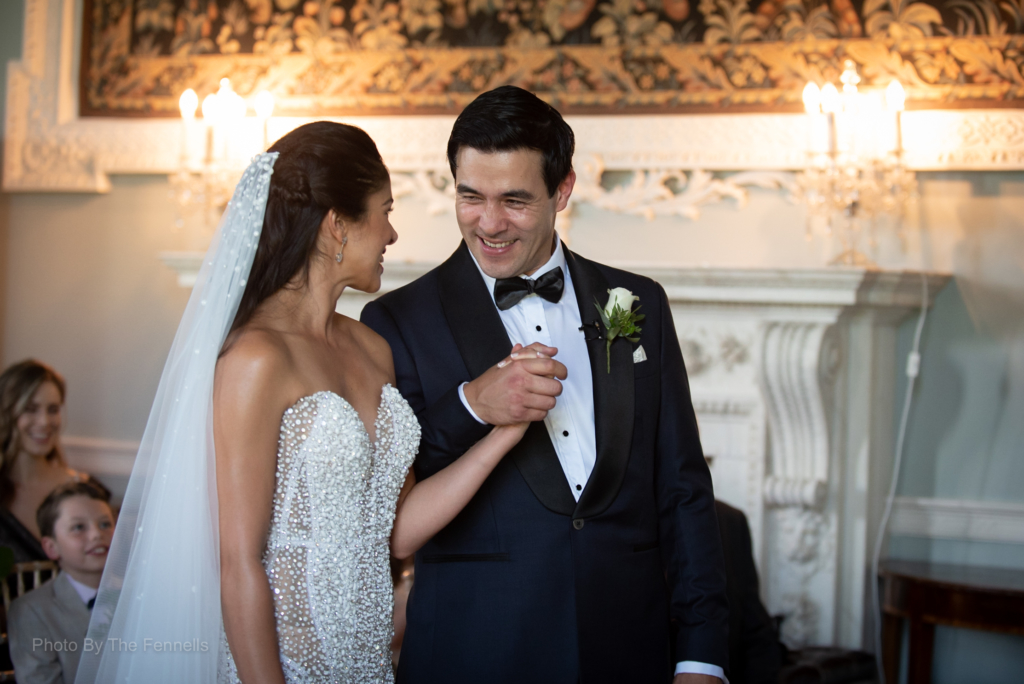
{"type": "Point", "coordinates": [322, 166]}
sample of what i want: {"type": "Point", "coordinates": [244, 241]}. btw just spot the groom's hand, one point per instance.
{"type": "Point", "coordinates": [691, 678]}
{"type": "Point", "coordinates": [520, 392]}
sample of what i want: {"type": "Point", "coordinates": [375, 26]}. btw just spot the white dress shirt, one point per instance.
{"type": "Point", "coordinates": [84, 592]}
{"type": "Point", "coordinates": [570, 424]}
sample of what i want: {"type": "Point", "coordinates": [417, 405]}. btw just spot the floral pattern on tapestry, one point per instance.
{"type": "Point", "coordinates": [323, 57]}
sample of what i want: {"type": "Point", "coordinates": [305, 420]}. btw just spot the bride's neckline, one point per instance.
{"type": "Point", "coordinates": [345, 402]}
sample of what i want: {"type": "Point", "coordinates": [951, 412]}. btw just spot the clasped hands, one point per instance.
{"type": "Point", "coordinates": [521, 389]}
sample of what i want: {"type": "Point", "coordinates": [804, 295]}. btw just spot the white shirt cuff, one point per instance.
{"type": "Point", "coordinates": [465, 402]}
{"type": "Point", "coordinates": [694, 667]}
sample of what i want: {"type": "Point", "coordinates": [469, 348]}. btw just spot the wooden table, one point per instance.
{"type": "Point", "coordinates": [929, 594]}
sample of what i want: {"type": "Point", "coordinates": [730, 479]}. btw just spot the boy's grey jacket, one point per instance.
{"type": "Point", "coordinates": [52, 613]}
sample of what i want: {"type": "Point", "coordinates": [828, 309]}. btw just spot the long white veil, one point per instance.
{"type": "Point", "coordinates": [157, 616]}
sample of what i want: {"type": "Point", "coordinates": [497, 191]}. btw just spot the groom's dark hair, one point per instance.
{"type": "Point", "coordinates": [510, 118]}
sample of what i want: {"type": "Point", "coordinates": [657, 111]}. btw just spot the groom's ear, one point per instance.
{"type": "Point", "coordinates": [564, 190]}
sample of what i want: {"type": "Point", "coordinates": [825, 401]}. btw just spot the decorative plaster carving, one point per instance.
{"type": "Point", "coordinates": [704, 348]}
{"type": "Point", "coordinates": [724, 407]}
{"type": "Point", "coordinates": [697, 359]}
{"type": "Point", "coordinates": [806, 560]}
{"type": "Point", "coordinates": [798, 428]}
{"type": "Point", "coordinates": [808, 493]}
{"type": "Point", "coordinates": [666, 191]}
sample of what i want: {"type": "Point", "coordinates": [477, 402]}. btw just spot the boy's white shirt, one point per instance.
{"type": "Point", "coordinates": [84, 592]}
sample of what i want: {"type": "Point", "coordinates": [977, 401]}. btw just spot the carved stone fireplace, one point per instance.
{"type": "Point", "coordinates": [792, 375]}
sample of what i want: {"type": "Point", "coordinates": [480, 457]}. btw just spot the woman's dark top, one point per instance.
{"type": "Point", "coordinates": [17, 537]}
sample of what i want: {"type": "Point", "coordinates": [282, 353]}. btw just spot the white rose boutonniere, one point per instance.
{"type": "Point", "coordinates": [619, 318]}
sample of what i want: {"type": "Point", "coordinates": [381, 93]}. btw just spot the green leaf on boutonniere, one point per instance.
{"type": "Point", "coordinates": [619, 322]}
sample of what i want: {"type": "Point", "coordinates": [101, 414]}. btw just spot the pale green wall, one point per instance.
{"type": "Point", "coordinates": [12, 20]}
{"type": "Point", "coordinates": [963, 438]}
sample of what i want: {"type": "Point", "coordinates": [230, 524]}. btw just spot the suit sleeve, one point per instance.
{"type": "Point", "coordinates": [32, 665]}
{"type": "Point", "coordinates": [447, 428]}
{"type": "Point", "coordinates": [686, 507]}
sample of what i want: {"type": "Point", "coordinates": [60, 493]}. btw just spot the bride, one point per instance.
{"type": "Point", "coordinates": [254, 538]}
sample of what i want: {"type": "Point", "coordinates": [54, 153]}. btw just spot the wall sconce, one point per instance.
{"type": "Point", "coordinates": [214, 152]}
{"type": "Point", "coordinates": [855, 174]}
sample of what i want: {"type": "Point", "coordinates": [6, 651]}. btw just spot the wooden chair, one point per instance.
{"type": "Point", "coordinates": [24, 577]}
{"type": "Point", "coordinates": [36, 572]}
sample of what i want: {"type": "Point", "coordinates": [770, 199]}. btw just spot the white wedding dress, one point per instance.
{"type": "Point", "coordinates": [327, 552]}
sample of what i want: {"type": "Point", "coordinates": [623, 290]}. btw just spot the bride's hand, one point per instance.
{"type": "Point", "coordinates": [521, 353]}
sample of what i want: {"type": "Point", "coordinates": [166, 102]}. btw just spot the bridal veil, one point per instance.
{"type": "Point", "coordinates": [157, 616]}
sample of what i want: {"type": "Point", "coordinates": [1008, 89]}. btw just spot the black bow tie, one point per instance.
{"type": "Point", "coordinates": [510, 291]}
{"type": "Point", "coordinates": [90, 603]}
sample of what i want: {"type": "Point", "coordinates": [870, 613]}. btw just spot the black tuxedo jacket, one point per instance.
{"type": "Point", "coordinates": [526, 585]}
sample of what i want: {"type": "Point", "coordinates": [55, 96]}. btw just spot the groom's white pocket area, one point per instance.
{"type": "Point", "coordinates": [639, 355]}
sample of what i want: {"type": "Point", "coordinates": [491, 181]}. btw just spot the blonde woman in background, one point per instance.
{"type": "Point", "coordinates": [31, 413]}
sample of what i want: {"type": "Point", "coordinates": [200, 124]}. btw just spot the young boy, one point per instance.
{"type": "Point", "coordinates": [47, 626]}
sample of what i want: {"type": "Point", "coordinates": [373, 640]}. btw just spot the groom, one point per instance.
{"type": "Point", "coordinates": [591, 554]}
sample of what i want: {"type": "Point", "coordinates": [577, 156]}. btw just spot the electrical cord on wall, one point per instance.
{"type": "Point", "coordinates": [913, 369]}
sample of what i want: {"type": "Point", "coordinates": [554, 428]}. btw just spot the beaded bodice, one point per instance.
{"type": "Point", "coordinates": [327, 552]}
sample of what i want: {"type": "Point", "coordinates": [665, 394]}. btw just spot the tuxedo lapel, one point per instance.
{"type": "Point", "coordinates": [482, 341]}
{"type": "Point", "coordinates": [473, 318]}
{"type": "Point", "coordinates": [613, 394]}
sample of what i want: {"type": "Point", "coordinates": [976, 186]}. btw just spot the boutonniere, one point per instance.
{"type": "Point", "coordinates": [619, 318]}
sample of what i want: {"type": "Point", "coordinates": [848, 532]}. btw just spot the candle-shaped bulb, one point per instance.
{"type": "Point", "coordinates": [849, 78]}
{"type": "Point", "coordinates": [812, 98]}
{"type": "Point", "coordinates": [895, 97]}
{"type": "Point", "coordinates": [830, 102]}
{"type": "Point", "coordinates": [211, 108]}
{"type": "Point", "coordinates": [230, 104]}
{"type": "Point", "coordinates": [263, 104]}
{"type": "Point", "coordinates": [188, 103]}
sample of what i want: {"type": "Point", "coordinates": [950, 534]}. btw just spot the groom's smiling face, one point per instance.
{"type": "Point", "coordinates": [504, 211]}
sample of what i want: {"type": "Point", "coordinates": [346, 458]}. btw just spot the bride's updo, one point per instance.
{"type": "Point", "coordinates": [322, 166]}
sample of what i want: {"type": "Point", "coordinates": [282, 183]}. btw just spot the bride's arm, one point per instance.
{"type": "Point", "coordinates": [246, 423]}
{"type": "Point", "coordinates": [425, 508]}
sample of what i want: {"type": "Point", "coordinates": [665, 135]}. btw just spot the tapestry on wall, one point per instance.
{"type": "Point", "coordinates": [601, 56]}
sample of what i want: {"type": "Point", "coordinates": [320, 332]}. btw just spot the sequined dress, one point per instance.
{"type": "Point", "coordinates": [327, 551]}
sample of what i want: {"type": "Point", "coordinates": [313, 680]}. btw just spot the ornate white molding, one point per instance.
{"type": "Point", "coordinates": [806, 492]}
{"type": "Point", "coordinates": [50, 148]}
{"type": "Point", "coordinates": [798, 426]}
{"type": "Point", "coordinates": [981, 521]}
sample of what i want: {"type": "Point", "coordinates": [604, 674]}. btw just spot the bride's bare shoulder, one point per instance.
{"type": "Point", "coordinates": [372, 344]}
{"type": "Point", "coordinates": [254, 359]}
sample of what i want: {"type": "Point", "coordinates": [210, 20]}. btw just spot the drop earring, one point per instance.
{"type": "Point", "coordinates": [339, 256]}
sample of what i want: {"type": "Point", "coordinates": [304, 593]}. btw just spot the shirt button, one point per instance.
{"type": "Point", "coordinates": [565, 433]}
{"type": "Point", "coordinates": [579, 487]}
{"type": "Point", "coordinates": [538, 328]}
{"type": "Point", "coordinates": [578, 523]}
